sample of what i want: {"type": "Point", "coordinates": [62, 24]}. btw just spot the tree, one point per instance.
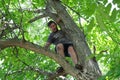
{"type": "Point", "coordinates": [14, 34]}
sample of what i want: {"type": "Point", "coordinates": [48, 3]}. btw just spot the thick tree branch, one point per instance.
{"type": "Point", "coordinates": [38, 49]}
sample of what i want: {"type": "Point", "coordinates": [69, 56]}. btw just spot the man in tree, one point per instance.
{"type": "Point", "coordinates": [63, 45]}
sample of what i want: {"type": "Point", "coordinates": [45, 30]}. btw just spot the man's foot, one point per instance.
{"type": "Point", "coordinates": [60, 70]}
{"type": "Point", "coordinates": [80, 67]}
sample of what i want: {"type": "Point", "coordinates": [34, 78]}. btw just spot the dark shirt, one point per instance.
{"type": "Point", "coordinates": [58, 37]}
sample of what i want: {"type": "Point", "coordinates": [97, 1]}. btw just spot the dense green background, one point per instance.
{"type": "Point", "coordinates": [100, 20]}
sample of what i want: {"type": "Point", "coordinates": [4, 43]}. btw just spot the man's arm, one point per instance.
{"type": "Point", "coordinates": [47, 45]}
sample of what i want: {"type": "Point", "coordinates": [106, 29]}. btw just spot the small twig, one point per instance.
{"type": "Point", "coordinates": [55, 75]}
{"type": "Point", "coordinates": [103, 51]}
{"type": "Point", "coordinates": [37, 17]}
{"type": "Point", "coordinates": [35, 69]}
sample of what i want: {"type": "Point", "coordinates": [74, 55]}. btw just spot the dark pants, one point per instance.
{"type": "Point", "coordinates": [65, 49]}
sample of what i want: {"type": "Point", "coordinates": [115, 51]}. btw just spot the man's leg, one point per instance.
{"type": "Point", "coordinates": [60, 49]}
{"type": "Point", "coordinates": [73, 54]}
{"type": "Point", "coordinates": [74, 58]}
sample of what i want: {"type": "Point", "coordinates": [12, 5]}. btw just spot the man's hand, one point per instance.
{"type": "Point", "coordinates": [58, 20]}
{"type": "Point", "coordinates": [47, 46]}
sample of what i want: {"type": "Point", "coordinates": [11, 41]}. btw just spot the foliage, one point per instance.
{"type": "Point", "coordinates": [99, 20]}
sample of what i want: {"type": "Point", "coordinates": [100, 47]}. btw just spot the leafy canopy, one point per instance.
{"type": "Point", "coordinates": [99, 20]}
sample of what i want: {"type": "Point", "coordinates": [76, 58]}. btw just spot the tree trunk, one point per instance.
{"type": "Point", "coordinates": [76, 35]}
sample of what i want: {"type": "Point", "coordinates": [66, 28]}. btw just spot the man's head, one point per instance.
{"type": "Point", "coordinates": [53, 26]}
